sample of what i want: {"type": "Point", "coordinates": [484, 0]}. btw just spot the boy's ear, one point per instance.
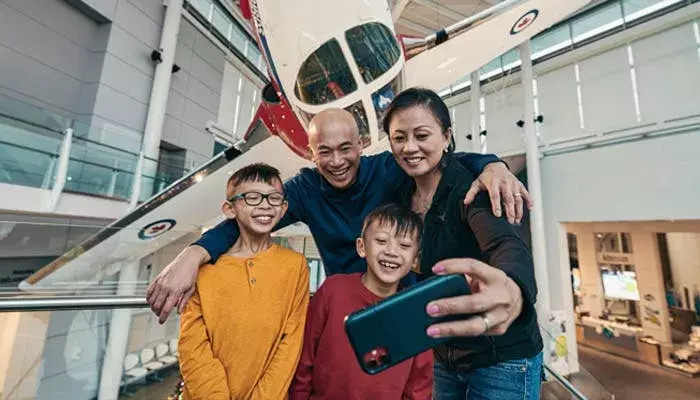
{"type": "Point", "coordinates": [415, 265]}
{"type": "Point", "coordinates": [360, 245]}
{"type": "Point", "coordinates": [228, 211]}
{"type": "Point", "coordinates": [285, 206]}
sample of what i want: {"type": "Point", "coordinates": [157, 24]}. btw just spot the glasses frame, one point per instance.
{"type": "Point", "coordinates": [263, 197]}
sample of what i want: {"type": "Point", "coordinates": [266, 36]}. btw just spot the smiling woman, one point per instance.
{"type": "Point", "coordinates": [466, 240]}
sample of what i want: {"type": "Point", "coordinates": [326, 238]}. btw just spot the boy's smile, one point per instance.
{"type": "Point", "coordinates": [390, 256]}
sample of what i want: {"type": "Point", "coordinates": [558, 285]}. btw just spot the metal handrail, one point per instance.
{"type": "Point", "coordinates": [63, 303]}
{"type": "Point", "coordinates": [565, 382]}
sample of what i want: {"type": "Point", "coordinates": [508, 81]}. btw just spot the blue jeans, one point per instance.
{"type": "Point", "coordinates": [508, 380]}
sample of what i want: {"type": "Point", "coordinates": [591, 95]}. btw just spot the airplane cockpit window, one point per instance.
{"type": "Point", "coordinates": [374, 48]}
{"type": "Point", "coordinates": [324, 76]}
{"type": "Point", "coordinates": [358, 111]}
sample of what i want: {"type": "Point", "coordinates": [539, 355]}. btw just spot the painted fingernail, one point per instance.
{"type": "Point", "coordinates": [433, 332]}
{"type": "Point", "coordinates": [433, 309]}
{"type": "Point", "coordinates": [439, 268]}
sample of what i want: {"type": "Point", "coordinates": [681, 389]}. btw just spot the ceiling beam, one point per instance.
{"type": "Point", "coordinates": [441, 9]}
{"type": "Point", "coordinates": [414, 27]}
{"type": "Point", "coordinates": [397, 8]}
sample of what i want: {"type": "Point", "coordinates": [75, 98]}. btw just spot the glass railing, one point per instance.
{"type": "Point", "coordinates": [101, 159]}
{"type": "Point", "coordinates": [30, 142]}
{"type": "Point", "coordinates": [54, 342]}
{"type": "Point", "coordinates": [584, 28]}
{"type": "Point", "coordinates": [565, 377]}
{"type": "Point", "coordinates": [62, 354]}
{"type": "Point", "coordinates": [58, 257]}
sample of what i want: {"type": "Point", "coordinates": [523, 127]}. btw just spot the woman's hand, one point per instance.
{"type": "Point", "coordinates": [496, 300]}
{"type": "Point", "coordinates": [503, 186]}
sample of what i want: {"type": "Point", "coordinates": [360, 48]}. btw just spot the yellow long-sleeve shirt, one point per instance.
{"type": "Point", "coordinates": [241, 332]}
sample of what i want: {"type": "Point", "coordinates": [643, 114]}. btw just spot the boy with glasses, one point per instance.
{"type": "Point", "coordinates": [241, 332]}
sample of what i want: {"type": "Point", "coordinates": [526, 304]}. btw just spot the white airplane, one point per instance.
{"type": "Point", "coordinates": [319, 54]}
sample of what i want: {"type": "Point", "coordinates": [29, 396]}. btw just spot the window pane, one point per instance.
{"type": "Point", "coordinates": [238, 39]}
{"type": "Point", "coordinates": [202, 6]}
{"type": "Point", "coordinates": [510, 59]}
{"type": "Point", "coordinates": [596, 21]}
{"type": "Point", "coordinates": [381, 99]}
{"type": "Point", "coordinates": [551, 41]}
{"type": "Point", "coordinates": [220, 22]}
{"type": "Point", "coordinates": [253, 54]}
{"type": "Point", "coordinates": [491, 69]}
{"type": "Point", "coordinates": [324, 76]}
{"type": "Point", "coordinates": [374, 49]}
{"type": "Point", "coordinates": [634, 9]}
{"type": "Point", "coordinates": [358, 111]}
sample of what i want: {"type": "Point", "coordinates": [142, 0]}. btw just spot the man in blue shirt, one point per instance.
{"type": "Point", "coordinates": [332, 199]}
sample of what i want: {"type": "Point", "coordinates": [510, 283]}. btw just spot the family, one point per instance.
{"type": "Point", "coordinates": [381, 223]}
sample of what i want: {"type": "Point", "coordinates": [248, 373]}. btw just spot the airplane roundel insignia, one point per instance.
{"type": "Point", "coordinates": [156, 228]}
{"type": "Point", "coordinates": [524, 21]}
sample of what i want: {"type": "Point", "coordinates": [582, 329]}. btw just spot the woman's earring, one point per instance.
{"type": "Point", "coordinates": [444, 150]}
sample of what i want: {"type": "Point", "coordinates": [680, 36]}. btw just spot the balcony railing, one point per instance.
{"type": "Point", "coordinates": [43, 149]}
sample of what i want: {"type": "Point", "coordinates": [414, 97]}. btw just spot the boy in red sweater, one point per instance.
{"type": "Point", "coordinates": [328, 369]}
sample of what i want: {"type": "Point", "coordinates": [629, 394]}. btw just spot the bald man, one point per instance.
{"type": "Point", "coordinates": [333, 200]}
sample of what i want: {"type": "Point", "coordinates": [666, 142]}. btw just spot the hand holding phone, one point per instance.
{"type": "Point", "coordinates": [394, 329]}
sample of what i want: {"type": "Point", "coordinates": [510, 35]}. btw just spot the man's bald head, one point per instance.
{"type": "Point", "coordinates": [334, 142]}
{"type": "Point", "coordinates": [332, 121]}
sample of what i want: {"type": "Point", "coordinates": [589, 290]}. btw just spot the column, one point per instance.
{"type": "Point", "coordinates": [650, 282]}
{"type": "Point", "coordinates": [61, 170]}
{"type": "Point", "coordinates": [534, 186]}
{"type": "Point", "coordinates": [684, 254]}
{"type": "Point", "coordinates": [119, 328]}
{"type": "Point", "coordinates": [159, 92]}
{"type": "Point", "coordinates": [592, 295]}
{"type": "Point", "coordinates": [475, 93]}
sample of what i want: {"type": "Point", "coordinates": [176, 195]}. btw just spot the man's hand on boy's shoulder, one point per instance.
{"type": "Point", "coordinates": [175, 284]}
{"type": "Point", "coordinates": [502, 186]}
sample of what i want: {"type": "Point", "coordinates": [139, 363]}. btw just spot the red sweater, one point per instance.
{"type": "Point", "coordinates": [328, 368]}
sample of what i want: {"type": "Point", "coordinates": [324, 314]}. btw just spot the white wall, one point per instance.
{"type": "Point", "coordinates": [633, 79]}
{"type": "Point", "coordinates": [588, 95]}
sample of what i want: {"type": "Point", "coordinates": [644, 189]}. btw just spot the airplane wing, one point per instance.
{"type": "Point", "coordinates": [185, 206]}
{"type": "Point", "coordinates": [489, 35]}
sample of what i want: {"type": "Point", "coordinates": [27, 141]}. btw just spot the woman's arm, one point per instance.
{"type": "Point", "coordinates": [503, 287]}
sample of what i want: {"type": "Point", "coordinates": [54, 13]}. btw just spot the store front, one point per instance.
{"type": "Point", "coordinates": [636, 290]}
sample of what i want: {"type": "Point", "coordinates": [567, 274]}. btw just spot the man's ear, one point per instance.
{"type": "Point", "coordinates": [310, 154]}
{"type": "Point", "coordinates": [360, 245]}
{"type": "Point", "coordinates": [228, 210]}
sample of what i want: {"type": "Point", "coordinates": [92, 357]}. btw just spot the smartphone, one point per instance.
{"type": "Point", "coordinates": [394, 329]}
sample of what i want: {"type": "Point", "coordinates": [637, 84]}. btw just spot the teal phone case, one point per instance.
{"type": "Point", "coordinates": [393, 330]}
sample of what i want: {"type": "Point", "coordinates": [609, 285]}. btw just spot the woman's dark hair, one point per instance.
{"type": "Point", "coordinates": [421, 97]}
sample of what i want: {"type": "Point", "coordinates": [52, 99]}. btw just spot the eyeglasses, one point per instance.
{"type": "Point", "coordinates": [256, 198]}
